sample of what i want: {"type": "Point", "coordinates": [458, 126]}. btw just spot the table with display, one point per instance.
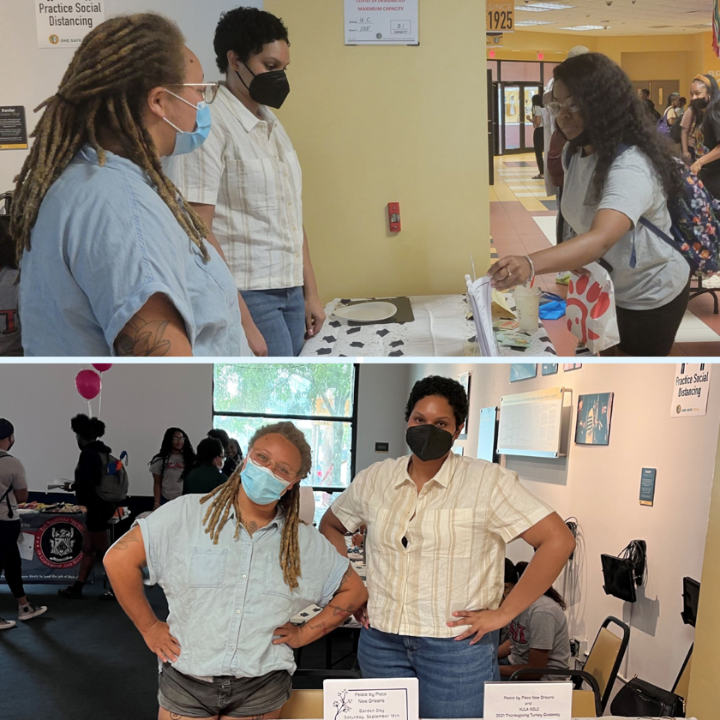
{"type": "Point", "coordinates": [441, 326]}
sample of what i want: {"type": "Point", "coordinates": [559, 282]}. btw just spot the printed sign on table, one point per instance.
{"type": "Point", "coordinates": [381, 22]}
{"type": "Point", "coordinates": [386, 699]}
{"type": "Point", "coordinates": [528, 700]}
{"type": "Point", "coordinates": [690, 391]}
{"type": "Point", "coordinates": [65, 24]}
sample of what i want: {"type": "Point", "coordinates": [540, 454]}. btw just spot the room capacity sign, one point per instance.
{"type": "Point", "coordinates": [528, 701]}
{"type": "Point", "coordinates": [381, 22]}
{"type": "Point", "coordinates": [500, 16]}
{"type": "Point", "coordinates": [690, 391]}
{"type": "Point", "coordinates": [65, 24]}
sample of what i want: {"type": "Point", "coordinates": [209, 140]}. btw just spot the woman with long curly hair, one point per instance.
{"type": "Point", "coordinates": [705, 106]}
{"type": "Point", "coordinates": [170, 466]}
{"type": "Point", "coordinates": [236, 565]}
{"type": "Point", "coordinates": [618, 169]}
{"type": "Point", "coordinates": [114, 261]}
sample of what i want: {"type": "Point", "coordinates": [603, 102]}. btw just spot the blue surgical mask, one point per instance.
{"type": "Point", "coordinates": [186, 142]}
{"type": "Point", "coordinates": [260, 485]}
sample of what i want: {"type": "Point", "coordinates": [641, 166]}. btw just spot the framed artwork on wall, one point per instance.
{"type": "Point", "coordinates": [522, 371]}
{"type": "Point", "coordinates": [464, 379]}
{"type": "Point", "coordinates": [567, 367]}
{"type": "Point", "coordinates": [549, 368]}
{"type": "Point", "coordinates": [594, 416]}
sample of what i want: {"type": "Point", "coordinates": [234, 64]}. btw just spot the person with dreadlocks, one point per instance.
{"type": "Point", "coordinates": [170, 466]}
{"type": "Point", "coordinates": [113, 261]}
{"type": "Point", "coordinates": [618, 170]}
{"type": "Point", "coordinates": [235, 566]}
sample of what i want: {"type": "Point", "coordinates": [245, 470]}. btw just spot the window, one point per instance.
{"type": "Point", "coordinates": [319, 398]}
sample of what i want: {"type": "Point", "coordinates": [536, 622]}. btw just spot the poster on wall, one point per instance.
{"type": "Point", "coordinates": [568, 367]}
{"type": "Point", "coordinates": [464, 380]}
{"type": "Point", "coordinates": [64, 25]}
{"type": "Point", "coordinates": [381, 22]}
{"type": "Point", "coordinates": [549, 369]}
{"type": "Point", "coordinates": [690, 390]}
{"type": "Point", "coordinates": [522, 371]}
{"type": "Point", "coordinates": [13, 130]}
{"type": "Point", "coordinates": [593, 419]}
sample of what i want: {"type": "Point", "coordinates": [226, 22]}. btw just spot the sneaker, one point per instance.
{"type": "Point", "coordinates": [6, 624]}
{"type": "Point", "coordinates": [562, 278]}
{"type": "Point", "coordinates": [29, 611]}
{"type": "Point", "coordinates": [108, 596]}
{"type": "Point", "coordinates": [71, 593]}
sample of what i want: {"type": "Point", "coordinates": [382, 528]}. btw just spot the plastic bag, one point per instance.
{"type": "Point", "coordinates": [552, 307]}
{"type": "Point", "coordinates": [591, 316]}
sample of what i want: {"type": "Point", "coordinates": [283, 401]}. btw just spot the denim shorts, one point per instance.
{"type": "Point", "coordinates": [229, 696]}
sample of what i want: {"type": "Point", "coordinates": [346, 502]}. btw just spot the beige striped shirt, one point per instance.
{"type": "Point", "coordinates": [247, 168]}
{"type": "Point", "coordinates": [457, 527]}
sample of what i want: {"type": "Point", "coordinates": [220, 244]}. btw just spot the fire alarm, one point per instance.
{"type": "Point", "coordinates": [394, 217]}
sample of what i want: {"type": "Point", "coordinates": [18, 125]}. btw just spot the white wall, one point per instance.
{"type": "Point", "coordinates": [138, 403]}
{"type": "Point", "coordinates": [600, 486]}
{"type": "Point", "coordinates": [382, 394]}
{"type": "Point", "coordinates": [30, 75]}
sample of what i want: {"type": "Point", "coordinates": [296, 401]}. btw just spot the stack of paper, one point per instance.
{"type": "Point", "coordinates": [480, 297]}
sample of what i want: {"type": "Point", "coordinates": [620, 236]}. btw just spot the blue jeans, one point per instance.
{"type": "Point", "coordinates": [451, 675]}
{"type": "Point", "coordinates": [280, 317]}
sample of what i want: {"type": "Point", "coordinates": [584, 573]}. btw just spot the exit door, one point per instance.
{"type": "Point", "coordinates": [515, 105]}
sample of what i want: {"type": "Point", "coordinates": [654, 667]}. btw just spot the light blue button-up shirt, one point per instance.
{"type": "Point", "coordinates": [103, 244]}
{"type": "Point", "coordinates": [226, 600]}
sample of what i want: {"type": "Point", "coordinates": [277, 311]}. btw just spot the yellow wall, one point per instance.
{"type": "Point", "coordinates": [650, 57]}
{"type": "Point", "coordinates": [703, 694]}
{"type": "Point", "coordinates": [373, 125]}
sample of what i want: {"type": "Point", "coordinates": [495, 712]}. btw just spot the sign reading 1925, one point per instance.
{"type": "Point", "coordinates": [500, 16]}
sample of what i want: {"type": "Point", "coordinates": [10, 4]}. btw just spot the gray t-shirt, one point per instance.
{"type": "Point", "coordinates": [172, 484]}
{"type": "Point", "coordinates": [10, 342]}
{"type": "Point", "coordinates": [632, 188]}
{"type": "Point", "coordinates": [12, 474]}
{"type": "Point", "coordinates": [543, 626]}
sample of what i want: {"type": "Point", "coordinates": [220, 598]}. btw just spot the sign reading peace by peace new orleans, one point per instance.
{"type": "Point", "coordinates": [63, 24]}
{"type": "Point", "coordinates": [500, 16]}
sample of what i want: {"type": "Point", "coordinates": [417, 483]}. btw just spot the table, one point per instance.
{"type": "Point", "coordinates": [441, 329]}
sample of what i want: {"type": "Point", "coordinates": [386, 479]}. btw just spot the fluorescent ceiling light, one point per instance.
{"type": "Point", "coordinates": [528, 23]}
{"type": "Point", "coordinates": [582, 28]}
{"type": "Point", "coordinates": [543, 7]}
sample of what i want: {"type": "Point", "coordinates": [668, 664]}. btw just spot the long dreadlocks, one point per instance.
{"type": "Point", "coordinates": [225, 499]}
{"type": "Point", "coordinates": [105, 87]}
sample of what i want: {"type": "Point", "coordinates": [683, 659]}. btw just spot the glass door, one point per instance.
{"type": "Point", "coordinates": [515, 103]}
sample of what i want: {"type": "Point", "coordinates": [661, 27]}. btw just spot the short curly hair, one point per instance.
{"type": "Point", "coordinates": [294, 435]}
{"type": "Point", "coordinates": [444, 387]}
{"type": "Point", "coordinates": [245, 31]}
{"type": "Point", "coordinates": [88, 428]}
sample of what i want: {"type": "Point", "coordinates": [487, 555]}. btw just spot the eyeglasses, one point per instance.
{"type": "Point", "coordinates": [207, 90]}
{"type": "Point", "coordinates": [282, 470]}
{"type": "Point", "coordinates": [554, 107]}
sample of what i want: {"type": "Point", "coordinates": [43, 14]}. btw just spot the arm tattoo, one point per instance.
{"type": "Point", "coordinates": [124, 542]}
{"type": "Point", "coordinates": [322, 626]}
{"type": "Point", "coordinates": [344, 579]}
{"type": "Point", "coordinates": [344, 611]}
{"type": "Point", "coordinates": [143, 338]}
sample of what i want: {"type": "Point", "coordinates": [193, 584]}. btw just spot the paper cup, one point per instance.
{"type": "Point", "coordinates": [527, 306]}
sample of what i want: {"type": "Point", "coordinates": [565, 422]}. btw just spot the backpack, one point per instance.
{"type": "Point", "coordinates": [695, 231]}
{"type": "Point", "coordinates": [676, 130]}
{"type": "Point", "coordinates": [113, 486]}
{"type": "Point", "coordinates": [663, 126]}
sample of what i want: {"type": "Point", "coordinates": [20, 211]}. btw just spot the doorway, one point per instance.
{"type": "Point", "coordinates": [514, 107]}
{"type": "Point", "coordinates": [660, 90]}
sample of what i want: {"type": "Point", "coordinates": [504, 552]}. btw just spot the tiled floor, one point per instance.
{"type": "Point", "coordinates": [522, 221]}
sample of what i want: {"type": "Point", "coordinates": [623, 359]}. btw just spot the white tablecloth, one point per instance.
{"type": "Point", "coordinates": [441, 329]}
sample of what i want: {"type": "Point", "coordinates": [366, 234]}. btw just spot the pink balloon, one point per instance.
{"type": "Point", "coordinates": [88, 384]}
{"type": "Point", "coordinates": [102, 367]}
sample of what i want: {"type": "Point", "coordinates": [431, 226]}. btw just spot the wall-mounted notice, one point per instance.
{"type": "Point", "coordinates": [647, 486]}
{"type": "Point", "coordinates": [381, 22]}
{"type": "Point", "coordinates": [63, 24]}
{"type": "Point", "coordinates": [531, 423]}
{"type": "Point", "coordinates": [371, 699]}
{"type": "Point", "coordinates": [13, 130]}
{"type": "Point", "coordinates": [528, 700]}
{"type": "Point", "coordinates": [690, 391]}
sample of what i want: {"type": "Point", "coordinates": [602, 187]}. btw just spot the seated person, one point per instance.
{"type": "Point", "coordinates": [235, 567]}
{"type": "Point", "coordinates": [538, 636]}
{"type": "Point", "coordinates": [206, 473]}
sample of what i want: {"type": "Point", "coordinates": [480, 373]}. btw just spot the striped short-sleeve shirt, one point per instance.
{"type": "Point", "coordinates": [455, 528]}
